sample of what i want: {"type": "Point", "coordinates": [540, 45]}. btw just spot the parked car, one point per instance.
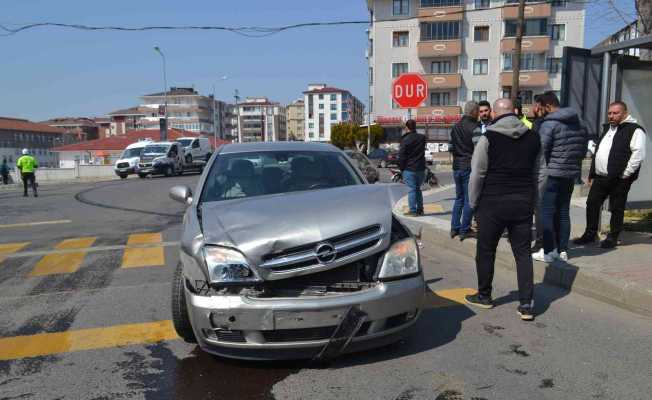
{"type": "Point", "coordinates": [364, 165]}
{"type": "Point", "coordinates": [384, 158]}
{"type": "Point", "coordinates": [196, 149]}
{"type": "Point", "coordinates": [292, 258]}
{"type": "Point", "coordinates": [129, 158]}
{"type": "Point", "coordinates": [161, 158]}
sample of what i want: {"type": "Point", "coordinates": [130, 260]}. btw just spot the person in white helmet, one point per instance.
{"type": "Point", "coordinates": [27, 165]}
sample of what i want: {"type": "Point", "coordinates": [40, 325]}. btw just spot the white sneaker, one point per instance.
{"type": "Point", "coordinates": [563, 256]}
{"type": "Point", "coordinates": [545, 257]}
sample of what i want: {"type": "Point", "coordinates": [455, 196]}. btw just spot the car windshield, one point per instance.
{"type": "Point", "coordinates": [242, 175]}
{"type": "Point", "coordinates": [156, 149]}
{"type": "Point", "coordinates": [130, 153]}
{"type": "Point", "coordinates": [185, 142]}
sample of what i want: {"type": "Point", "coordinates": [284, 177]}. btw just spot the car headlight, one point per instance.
{"type": "Point", "coordinates": [158, 160]}
{"type": "Point", "coordinates": [401, 259]}
{"type": "Point", "coordinates": [227, 266]}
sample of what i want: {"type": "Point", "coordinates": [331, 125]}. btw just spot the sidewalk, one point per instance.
{"type": "Point", "coordinates": [622, 276]}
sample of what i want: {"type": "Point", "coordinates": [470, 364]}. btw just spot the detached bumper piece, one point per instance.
{"type": "Point", "coordinates": [350, 325]}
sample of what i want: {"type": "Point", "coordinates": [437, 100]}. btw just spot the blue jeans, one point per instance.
{"type": "Point", "coordinates": [461, 208]}
{"type": "Point", "coordinates": [414, 180]}
{"type": "Point", "coordinates": [555, 212]}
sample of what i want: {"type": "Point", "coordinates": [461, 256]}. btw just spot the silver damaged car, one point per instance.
{"type": "Point", "coordinates": [287, 253]}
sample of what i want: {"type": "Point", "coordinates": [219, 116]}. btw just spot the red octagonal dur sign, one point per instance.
{"type": "Point", "coordinates": [409, 90]}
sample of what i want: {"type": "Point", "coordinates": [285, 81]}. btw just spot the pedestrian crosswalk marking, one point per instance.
{"type": "Point", "coordinates": [64, 262]}
{"type": "Point", "coordinates": [146, 256]}
{"type": "Point", "coordinates": [9, 248]}
{"type": "Point", "coordinates": [44, 344]}
{"type": "Point", "coordinates": [447, 297]}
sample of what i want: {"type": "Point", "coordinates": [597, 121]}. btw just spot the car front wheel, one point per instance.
{"type": "Point", "coordinates": [180, 318]}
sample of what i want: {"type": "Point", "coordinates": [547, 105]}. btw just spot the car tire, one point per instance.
{"type": "Point", "coordinates": [142, 176]}
{"type": "Point", "coordinates": [169, 171]}
{"type": "Point", "coordinates": [123, 176]}
{"type": "Point", "coordinates": [383, 164]}
{"type": "Point", "coordinates": [189, 159]}
{"type": "Point", "coordinates": [180, 318]}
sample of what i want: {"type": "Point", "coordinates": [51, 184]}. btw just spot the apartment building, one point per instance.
{"type": "Point", "coordinates": [261, 120]}
{"type": "Point", "coordinates": [463, 49]}
{"type": "Point", "coordinates": [81, 128]}
{"type": "Point", "coordinates": [296, 120]}
{"type": "Point", "coordinates": [17, 134]}
{"type": "Point", "coordinates": [326, 106]}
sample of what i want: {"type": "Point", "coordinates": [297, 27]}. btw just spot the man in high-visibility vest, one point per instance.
{"type": "Point", "coordinates": [27, 164]}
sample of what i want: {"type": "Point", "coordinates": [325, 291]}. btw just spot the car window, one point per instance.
{"type": "Point", "coordinates": [253, 174]}
{"type": "Point", "coordinates": [155, 149]}
{"type": "Point", "coordinates": [129, 153]}
{"type": "Point", "coordinates": [185, 142]}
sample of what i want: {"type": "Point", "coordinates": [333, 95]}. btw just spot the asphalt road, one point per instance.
{"type": "Point", "coordinates": [83, 316]}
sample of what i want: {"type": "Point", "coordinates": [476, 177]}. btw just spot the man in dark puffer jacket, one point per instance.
{"type": "Point", "coordinates": [564, 140]}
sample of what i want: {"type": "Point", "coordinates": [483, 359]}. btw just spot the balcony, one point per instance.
{"type": "Point", "coordinates": [530, 44]}
{"type": "Point", "coordinates": [537, 10]}
{"type": "Point", "coordinates": [526, 78]}
{"type": "Point", "coordinates": [443, 81]}
{"type": "Point", "coordinates": [434, 14]}
{"type": "Point", "coordinates": [439, 111]}
{"type": "Point", "coordinates": [439, 48]}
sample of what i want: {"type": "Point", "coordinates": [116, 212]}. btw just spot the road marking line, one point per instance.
{"type": "Point", "coordinates": [44, 344]}
{"type": "Point", "coordinates": [94, 249]}
{"type": "Point", "coordinates": [64, 262]}
{"type": "Point", "coordinates": [143, 257]}
{"type": "Point", "coordinates": [447, 297]}
{"type": "Point", "coordinates": [25, 224]}
{"type": "Point", "coordinates": [9, 248]}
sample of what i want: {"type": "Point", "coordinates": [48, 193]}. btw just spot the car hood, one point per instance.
{"type": "Point", "coordinates": [268, 224]}
{"type": "Point", "coordinates": [131, 160]}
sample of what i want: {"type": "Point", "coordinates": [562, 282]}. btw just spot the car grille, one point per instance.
{"type": "Point", "coordinates": [306, 256]}
{"type": "Point", "coordinates": [230, 336]}
{"type": "Point", "coordinates": [143, 165]}
{"type": "Point", "coordinates": [299, 335]}
{"type": "Point", "coordinates": [123, 165]}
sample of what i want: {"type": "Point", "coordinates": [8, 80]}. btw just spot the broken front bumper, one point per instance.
{"type": "Point", "coordinates": [289, 328]}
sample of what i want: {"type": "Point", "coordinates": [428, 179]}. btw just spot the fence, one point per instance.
{"type": "Point", "coordinates": [71, 174]}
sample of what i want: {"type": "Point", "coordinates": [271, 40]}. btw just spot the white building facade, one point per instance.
{"type": "Point", "coordinates": [463, 49]}
{"type": "Point", "coordinates": [326, 106]}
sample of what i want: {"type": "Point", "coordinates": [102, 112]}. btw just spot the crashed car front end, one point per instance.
{"type": "Point", "coordinates": [305, 292]}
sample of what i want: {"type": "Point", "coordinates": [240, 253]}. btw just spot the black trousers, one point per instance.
{"type": "Point", "coordinates": [616, 190]}
{"type": "Point", "coordinates": [28, 180]}
{"type": "Point", "coordinates": [495, 214]}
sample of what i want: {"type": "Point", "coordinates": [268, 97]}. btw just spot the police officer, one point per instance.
{"type": "Point", "coordinates": [27, 164]}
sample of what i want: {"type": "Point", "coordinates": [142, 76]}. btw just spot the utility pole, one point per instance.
{"type": "Point", "coordinates": [516, 56]}
{"type": "Point", "coordinates": [236, 96]}
{"type": "Point", "coordinates": [164, 130]}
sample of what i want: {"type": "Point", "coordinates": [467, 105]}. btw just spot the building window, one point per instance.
{"type": "Point", "coordinates": [321, 97]}
{"type": "Point", "coordinates": [529, 62]}
{"type": "Point", "coordinates": [479, 95]}
{"type": "Point", "coordinates": [321, 106]}
{"type": "Point", "coordinates": [446, 30]}
{"type": "Point", "coordinates": [440, 98]}
{"type": "Point", "coordinates": [311, 125]}
{"type": "Point", "coordinates": [371, 75]}
{"type": "Point", "coordinates": [333, 106]}
{"type": "Point", "coordinates": [333, 116]}
{"type": "Point", "coordinates": [558, 32]}
{"type": "Point", "coordinates": [398, 69]}
{"type": "Point", "coordinates": [394, 107]}
{"type": "Point", "coordinates": [526, 96]}
{"type": "Point", "coordinates": [311, 134]}
{"type": "Point", "coordinates": [371, 103]}
{"type": "Point", "coordinates": [401, 39]}
{"type": "Point", "coordinates": [441, 3]}
{"type": "Point", "coordinates": [481, 66]}
{"type": "Point", "coordinates": [481, 34]}
{"type": "Point", "coordinates": [482, 4]}
{"type": "Point", "coordinates": [554, 65]}
{"type": "Point", "coordinates": [441, 67]}
{"type": "Point", "coordinates": [532, 27]}
{"type": "Point", "coordinates": [401, 7]}
{"type": "Point", "coordinates": [558, 3]}
{"type": "Point", "coordinates": [333, 97]}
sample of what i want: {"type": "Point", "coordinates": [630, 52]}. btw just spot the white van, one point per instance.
{"type": "Point", "coordinates": [196, 149]}
{"type": "Point", "coordinates": [128, 161]}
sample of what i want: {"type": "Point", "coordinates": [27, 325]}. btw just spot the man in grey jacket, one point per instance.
{"type": "Point", "coordinates": [503, 189]}
{"type": "Point", "coordinates": [564, 140]}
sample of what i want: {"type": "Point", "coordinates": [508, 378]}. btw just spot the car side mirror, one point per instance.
{"type": "Point", "coordinates": [182, 194]}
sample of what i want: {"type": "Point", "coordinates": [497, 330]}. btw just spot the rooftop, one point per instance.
{"type": "Point", "coordinates": [69, 121]}
{"type": "Point", "coordinates": [17, 124]}
{"type": "Point", "coordinates": [127, 111]}
{"type": "Point", "coordinates": [120, 142]}
{"type": "Point", "coordinates": [326, 89]}
{"type": "Point", "coordinates": [175, 91]}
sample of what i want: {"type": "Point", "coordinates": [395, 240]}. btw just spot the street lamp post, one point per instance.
{"type": "Point", "coordinates": [164, 131]}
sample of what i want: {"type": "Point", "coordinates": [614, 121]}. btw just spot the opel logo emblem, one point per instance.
{"type": "Point", "coordinates": [325, 253]}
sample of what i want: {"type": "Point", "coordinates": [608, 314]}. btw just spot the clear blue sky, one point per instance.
{"type": "Point", "coordinates": [50, 72]}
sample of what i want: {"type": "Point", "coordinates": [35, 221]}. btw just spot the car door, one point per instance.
{"type": "Point", "coordinates": [195, 150]}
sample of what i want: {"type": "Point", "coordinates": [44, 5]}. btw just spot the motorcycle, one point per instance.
{"type": "Point", "coordinates": [429, 182]}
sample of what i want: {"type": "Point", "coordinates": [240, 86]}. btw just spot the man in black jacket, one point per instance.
{"type": "Point", "coordinates": [462, 149]}
{"type": "Point", "coordinates": [616, 164]}
{"type": "Point", "coordinates": [412, 162]}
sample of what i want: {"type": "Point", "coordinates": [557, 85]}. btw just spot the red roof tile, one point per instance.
{"type": "Point", "coordinates": [120, 142]}
{"type": "Point", "coordinates": [15, 124]}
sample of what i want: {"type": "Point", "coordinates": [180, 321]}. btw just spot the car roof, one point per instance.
{"type": "Point", "coordinates": [276, 146]}
{"type": "Point", "coordinates": [136, 145]}
{"type": "Point", "coordinates": [161, 143]}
